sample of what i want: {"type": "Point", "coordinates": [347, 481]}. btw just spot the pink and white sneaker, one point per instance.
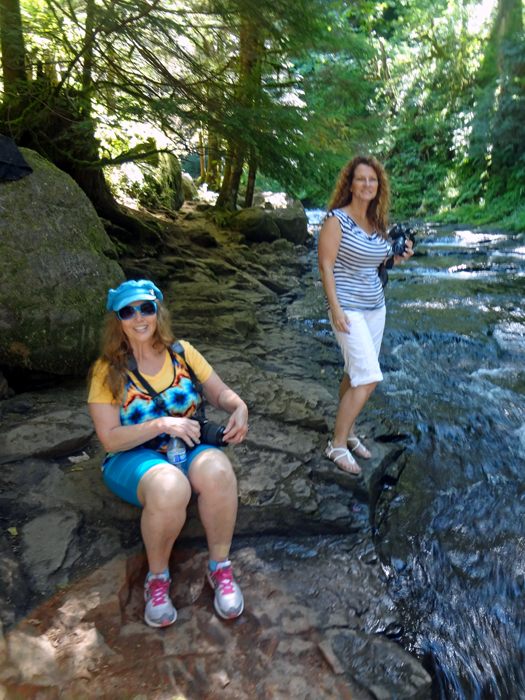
{"type": "Point", "coordinates": [159, 608]}
{"type": "Point", "coordinates": [229, 602]}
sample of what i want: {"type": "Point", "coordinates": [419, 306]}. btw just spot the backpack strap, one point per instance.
{"type": "Point", "coordinates": [179, 350]}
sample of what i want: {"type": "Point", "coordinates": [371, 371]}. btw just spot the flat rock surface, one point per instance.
{"type": "Point", "coordinates": [53, 434]}
{"type": "Point", "coordinates": [310, 630]}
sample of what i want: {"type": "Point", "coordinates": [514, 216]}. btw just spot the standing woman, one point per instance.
{"type": "Point", "coordinates": [352, 244]}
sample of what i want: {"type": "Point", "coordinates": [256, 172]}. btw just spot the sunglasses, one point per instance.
{"type": "Point", "coordinates": [147, 308]}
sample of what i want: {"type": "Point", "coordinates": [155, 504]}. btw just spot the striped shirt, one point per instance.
{"type": "Point", "coordinates": [357, 283]}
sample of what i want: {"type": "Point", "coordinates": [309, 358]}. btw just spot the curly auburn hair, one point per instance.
{"type": "Point", "coordinates": [377, 212]}
{"type": "Point", "coordinates": [116, 349]}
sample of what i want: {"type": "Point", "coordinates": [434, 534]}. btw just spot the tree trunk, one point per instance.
{"type": "Point", "coordinates": [201, 157]}
{"type": "Point", "coordinates": [223, 201]}
{"type": "Point", "coordinates": [250, 187]}
{"type": "Point", "coordinates": [248, 85]}
{"type": "Point", "coordinates": [510, 17]}
{"type": "Point", "coordinates": [509, 21]}
{"type": "Point", "coordinates": [219, 163]}
{"type": "Point", "coordinates": [87, 67]}
{"type": "Point", "coordinates": [13, 49]}
{"type": "Point", "coordinates": [96, 188]}
{"type": "Point", "coordinates": [236, 178]}
{"type": "Point", "coordinates": [212, 174]}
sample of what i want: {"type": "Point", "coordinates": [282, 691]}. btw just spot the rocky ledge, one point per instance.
{"type": "Point", "coordinates": [318, 623]}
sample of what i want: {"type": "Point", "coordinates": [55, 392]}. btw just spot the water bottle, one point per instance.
{"type": "Point", "coordinates": [176, 451]}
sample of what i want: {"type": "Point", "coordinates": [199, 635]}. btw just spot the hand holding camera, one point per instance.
{"type": "Point", "coordinates": [211, 433]}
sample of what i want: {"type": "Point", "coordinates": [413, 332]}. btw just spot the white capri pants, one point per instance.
{"type": "Point", "coordinates": [360, 346]}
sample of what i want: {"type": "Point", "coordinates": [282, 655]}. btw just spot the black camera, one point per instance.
{"type": "Point", "coordinates": [211, 433]}
{"type": "Point", "coordinates": [399, 235]}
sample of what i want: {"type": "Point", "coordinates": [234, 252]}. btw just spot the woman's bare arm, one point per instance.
{"type": "Point", "coordinates": [328, 248]}
{"type": "Point", "coordinates": [220, 395]}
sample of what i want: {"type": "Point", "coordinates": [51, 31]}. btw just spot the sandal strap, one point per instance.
{"type": "Point", "coordinates": [358, 443]}
{"type": "Point", "coordinates": [344, 453]}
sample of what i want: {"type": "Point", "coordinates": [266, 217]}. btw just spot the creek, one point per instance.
{"type": "Point", "coordinates": [449, 514]}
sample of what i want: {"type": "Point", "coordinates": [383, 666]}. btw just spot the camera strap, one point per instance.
{"type": "Point", "coordinates": [388, 264]}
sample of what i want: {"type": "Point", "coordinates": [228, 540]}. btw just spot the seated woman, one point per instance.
{"type": "Point", "coordinates": [135, 432]}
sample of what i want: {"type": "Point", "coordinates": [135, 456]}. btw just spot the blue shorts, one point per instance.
{"type": "Point", "coordinates": [123, 472]}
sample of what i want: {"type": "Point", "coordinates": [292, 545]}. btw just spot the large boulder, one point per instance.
{"type": "Point", "coordinates": [256, 225]}
{"type": "Point", "coordinates": [189, 188]}
{"type": "Point", "coordinates": [54, 272]}
{"type": "Point", "coordinates": [163, 185]}
{"type": "Point", "coordinates": [292, 223]}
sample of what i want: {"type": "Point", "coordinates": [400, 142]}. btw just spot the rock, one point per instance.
{"type": "Point", "coordinates": [292, 223]}
{"type": "Point", "coordinates": [3, 645]}
{"type": "Point", "coordinates": [148, 240]}
{"type": "Point", "coordinates": [20, 406]}
{"type": "Point", "coordinates": [5, 391]}
{"type": "Point", "coordinates": [172, 193]}
{"type": "Point", "coordinates": [49, 435]}
{"type": "Point", "coordinates": [188, 188]}
{"type": "Point", "coordinates": [164, 184]}
{"type": "Point", "coordinates": [284, 645]}
{"type": "Point", "coordinates": [54, 272]}
{"type": "Point", "coordinates": [256, 225]}
{"type": "Point", "coordinates": [47, 546]}
{"type": "Point", "coordinates": [13, 588]}
{"type": "Point", "coordinates": [33, 658]}
{"type": "Point", "coordinates": [385, 667]}
{"type": "Point", "coordinates": [275, 200]}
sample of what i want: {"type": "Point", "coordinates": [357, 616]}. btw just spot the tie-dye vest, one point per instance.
{"type": "Point", "coordinates": [180, 399]}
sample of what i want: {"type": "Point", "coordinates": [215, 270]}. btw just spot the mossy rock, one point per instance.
{"type": "Point", "coordinates": [256, 225]}
{"type": "Point", "coordinates": [54, 272]}
{"type": "Point", "coordinates": [163, 185]}
{"type": "Point", "coordinates": [292, 223]}
{"type": "Point", "coordinates": [189, 188]}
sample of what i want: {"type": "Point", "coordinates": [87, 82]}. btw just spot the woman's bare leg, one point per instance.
{"type": "Point", "coordinates": [361, 451]}
{"type": "Point", "coordinates": [352, 403]}
{"type": "Point", "coordinates": [164, 492]}
{"type": "Point", "coordinates": [212, 478]}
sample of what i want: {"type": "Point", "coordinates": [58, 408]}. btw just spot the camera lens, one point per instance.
{"type": "Point", "coordinates": [398, 245]}
{"type": "Point", "coordinates": [212, 434]}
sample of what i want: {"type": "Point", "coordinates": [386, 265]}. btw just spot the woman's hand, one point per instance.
{"type": "Point", "coordinates": [340, 320]}
{"type": "Point", "coordinates": [237, 426]}
{"type": "Point", "coordinates": [406, 255]}
{"type": "Point", "coordinates": [221, 396]}
{"type": "Point", "coordinates": [185, 428]}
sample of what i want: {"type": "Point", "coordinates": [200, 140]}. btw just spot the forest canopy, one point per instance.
{"type": "Point", "coordinates": [278, 94]}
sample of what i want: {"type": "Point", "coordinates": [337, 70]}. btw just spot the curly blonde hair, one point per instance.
{"type": "Point", "coordinates": [116, 349]}
{"type": "Point", "coordinates": [377, 212]}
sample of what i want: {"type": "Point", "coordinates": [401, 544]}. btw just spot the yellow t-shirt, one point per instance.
{"type": "Point", "coordinates": [99, 392]}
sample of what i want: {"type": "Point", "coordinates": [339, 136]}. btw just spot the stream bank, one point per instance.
{"type": "Point", "coordinates": [319, 620]}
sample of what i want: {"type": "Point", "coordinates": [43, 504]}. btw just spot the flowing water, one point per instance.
{"type": "Point", "coordinates": [450, 516]}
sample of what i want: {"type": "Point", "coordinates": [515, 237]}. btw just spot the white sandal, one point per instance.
{"type": "Point", "coordinates": [344, 453]}
{"type": "Point", "coordinates": [358, 445]}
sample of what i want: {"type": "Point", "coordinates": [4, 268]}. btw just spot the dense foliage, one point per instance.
{"type": "Point", "coordinates": [281, 93]}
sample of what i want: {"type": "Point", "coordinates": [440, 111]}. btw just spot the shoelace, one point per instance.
{"type": "Point", "coordinates": [158, 590]}
{"type": "Point", "coordinates": [224, 578]}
